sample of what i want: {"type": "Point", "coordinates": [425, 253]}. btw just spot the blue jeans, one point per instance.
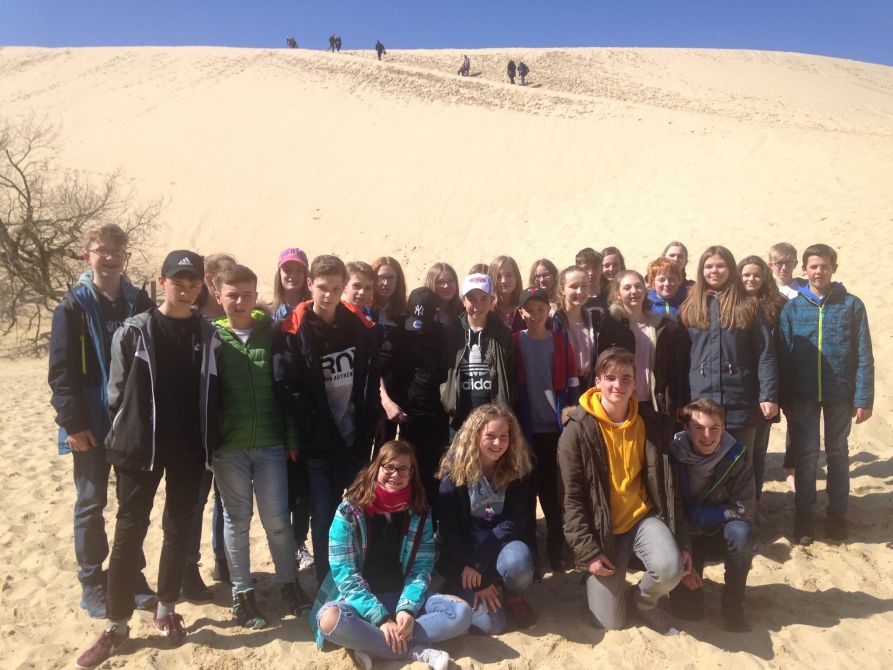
{"type": "Point", "coordinates": [803, 424]}
{"type": "Point", "coordinates": [263, 473]}
{"type": "Point", "coordinates": [515, 568]}
{"type": "Point", "coordinates": [443, 618]}
{"type": "Point", "coordinates": [653, 542]}
{"type": "Point", "coordinates": [328, 477]}
{"type": "Point", "coordinates": [733, 546]}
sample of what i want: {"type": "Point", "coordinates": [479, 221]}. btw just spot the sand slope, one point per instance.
{"type": "Point", "coordinates": [255, 150]}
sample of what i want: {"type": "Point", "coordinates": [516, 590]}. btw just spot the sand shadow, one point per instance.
{"type": "Point", "coordinates": [475, 74]}
{"type": "Point", "coordinates": [772, 607]}
{"type": "Point", "coordinates": [533, 86]}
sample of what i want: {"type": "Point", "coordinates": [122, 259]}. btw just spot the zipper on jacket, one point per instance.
{"type": "Point", "coordinates": [251, 392]}
{"type": "Point", "coordinates": [83, 354]}
{"type": "Point", "coordinates": [821, 318]}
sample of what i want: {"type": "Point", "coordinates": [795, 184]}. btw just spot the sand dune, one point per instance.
{"type": "Point", "coordinates": [255, 150]}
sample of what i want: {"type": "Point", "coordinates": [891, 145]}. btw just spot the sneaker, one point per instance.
{"type": "Point", "coordinates": [657, 620]}
{"type": "Point", "coordinates": [434, 658]}
{"type": "Point", "coordinates": [194, 587]}
{"type": "Point", "coordinates": [804, 530]}
{"type": "Point", "coordinates": [93, 600]}
{"type": "Point", "coordinates": [296, 601]}
{"type": "Point", "coordinates": [361, 659]}
{"type": "Point", "coordinates": [519, 612]}
{"type": "Point", "coordinates": [107, 645]}
{"type": "Point", "coordinates": [246, 612]}
{"type": "Point", "coordinates": [836, 527]}
{"type": "Point", "coordinates": [734, 619]}
{"type": "Point", "coordinates": [144, 597]}
{"type": "Point", "coordinates": [303, 557]}
{"type": "Point", "coordinates": [171, 626]}
{"type": "Point", "coordinates": [221, 571]}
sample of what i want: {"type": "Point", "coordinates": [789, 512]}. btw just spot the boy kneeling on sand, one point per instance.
{"type": "Point", "coordinates": [619, 498]}
{"type": "Point", "coordinates": [715, 475]}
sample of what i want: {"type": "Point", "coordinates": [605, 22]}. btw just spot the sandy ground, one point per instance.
{"type": "Point", "coordinates": [255, 150]}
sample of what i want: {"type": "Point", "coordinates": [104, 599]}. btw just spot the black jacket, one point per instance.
{"type": "Point", "coordinates": [131, 391]}
{"type": "Point", "coordinates": [298, 380]}
{"type": "Point", "coordinates": [457, 532]}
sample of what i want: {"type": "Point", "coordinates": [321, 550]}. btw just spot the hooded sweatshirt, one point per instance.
{"type": "Point", "coordinates": [625, 446]}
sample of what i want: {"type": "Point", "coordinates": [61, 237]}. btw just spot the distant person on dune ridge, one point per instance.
{"type": "Point", "coordinates": [337, 42]}
{"type": "Point", "coordinates": [379, 49]}
{"type": "Point", "coordinates": [291, 42]}
{"type": "Point", "coordinates": [523, 71]}
{"type": "Point", "coordinates": [510, 70]}
{"type": "Point", "coordinates": [466, 66]}
{"type": "Point", "coordinates": [332, 42]}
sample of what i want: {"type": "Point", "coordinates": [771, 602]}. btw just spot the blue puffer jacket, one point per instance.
{"type": "Point", "coordinates": [826, 349]}
{"type": "Point", "coordinates": [734, 367]}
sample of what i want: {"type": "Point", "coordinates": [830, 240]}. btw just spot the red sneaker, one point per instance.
{"type": "Point", "coordinates": [519, 612]}
{"type": "Point", "coordinates": [107, 645]}
{"type": "Point", "coordinates": [171, 626]}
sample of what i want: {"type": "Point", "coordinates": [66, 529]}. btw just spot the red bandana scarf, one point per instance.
{"type": "Point", "coordinates": [389, 501]}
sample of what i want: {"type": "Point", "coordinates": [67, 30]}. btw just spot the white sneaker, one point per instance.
{"type": "Point", "coordinates": [303, 557]}
{"type": "Point", "coordinates": [435, 658]}
{"type": "Point", "coordinates": [362, 660]}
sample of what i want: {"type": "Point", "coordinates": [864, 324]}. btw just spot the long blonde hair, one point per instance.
{"type": "Point", "coordinates": [462, 462]}
{"type": "Point", "coordinates": [495, 266]}
{"type": "Point", "coordinates": [736, 308]}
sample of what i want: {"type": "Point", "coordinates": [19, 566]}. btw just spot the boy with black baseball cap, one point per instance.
{"type": "Point", "coordinates": [162, 397]}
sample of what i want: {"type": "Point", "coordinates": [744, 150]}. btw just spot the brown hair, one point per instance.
{"type": "Point", "coordinates": [769, 298]}
{"type": "Point", "coordinates": [454, 308]}
{"type": "Point", "coordinates": [611, 251]}
{"type": "Point", "coordinates": [279, 289]}
{"type": "Point", "coordinates": [562, 282]}
{"type": "Point", "coordinates": [234, 274]}
{"type": "Point", "coordinates": [614, 293]}
{"type": "Point", "coordinates": [479, 269]}
{"type": "Point", "coordinates": [495, 266]}
{"type": "Point", "coordinates": [588, 256]}
{"type": "Point", "coordinates": [462, 462]}
{"type": "Point", "coordinates": [362, 491]}
{"type": "Point", "coordinates": [214, 263]}
{"type": "Point", "coordinates": [614, 357]}
{"type": "Point", "coordinates": [550, 266]}
{"type": "Point", "coordinates": [662, 266]}
{"type": "Point", "coordinates": [327, 265]}
{"type": "Point", "coordinates": [396, 304]}
{"type": "Point", "coordinates": [821, 250]}
{"type": "Point", "coordinates": [703, 406]}
{"type": "Point", "coordinates": [677, 243]}
{"type": "Point", "coordinates": [736, 308]}
{"type": "Point", "coordinates": [361, 268]}
{"type": "Point", "coordinates": [110, 231]}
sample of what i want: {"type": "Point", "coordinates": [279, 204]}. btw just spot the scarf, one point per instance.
{"type": "Point", "coordinates": [389, 501]}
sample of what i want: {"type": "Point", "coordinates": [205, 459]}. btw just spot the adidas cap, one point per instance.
{"type": "Point", "coordinates": [183, 263]}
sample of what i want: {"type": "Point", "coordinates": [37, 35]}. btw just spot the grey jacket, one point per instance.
{"type": "Point", "coordinates": [131, 391]}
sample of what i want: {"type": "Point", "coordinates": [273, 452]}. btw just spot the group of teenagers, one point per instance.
{"type": "Point", "coordinates": [412, 435]}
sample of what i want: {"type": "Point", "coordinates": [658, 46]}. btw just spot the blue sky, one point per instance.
{"type": "Point", "coordinates": [858, 29]}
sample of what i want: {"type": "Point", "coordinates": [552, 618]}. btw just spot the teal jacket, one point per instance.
{"type": "Point", "coordinates": [347, 550]}
{"type": "Point", "coordinates": [825, 351]}
{"type": "Point", "coordinates": [250, 414]}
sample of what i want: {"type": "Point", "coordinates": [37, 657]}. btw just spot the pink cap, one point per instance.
{"type": "Point", "coordinates": [292, 254]}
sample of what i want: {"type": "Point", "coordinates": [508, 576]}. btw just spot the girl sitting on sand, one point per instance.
{"type": "Point", "coordinates": [732, 358]}
{"type": "Point", "coordinates": [442, 279]}
{"type": "Point", "coordinates": [290, 283]}
{"type": "Point", "coordinates": [390, 291]}
{"type": "Point", "coordinates": [759, 284]}
{"type": "Point", "coordinates": [374, 600]}
{"type": "Point", "coordinates": [507, 282]}
{"type": "Point", "coordinates": [484, 518]}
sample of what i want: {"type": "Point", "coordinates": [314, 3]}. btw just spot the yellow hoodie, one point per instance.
{"type": "Point", "coordinates": [626, 457]}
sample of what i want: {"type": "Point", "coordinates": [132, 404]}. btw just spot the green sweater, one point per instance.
{"type": "Point", "coordinates": [250, 413]}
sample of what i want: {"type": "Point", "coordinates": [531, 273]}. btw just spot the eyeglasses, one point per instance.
{"type": "Point", "coordinates": [783, 264]}
{"type": "Point", "coordinates": [403, 470]}
{"type": "Point", "coordinates": [544, 277]}
{"type": "Point", "coordinates": [110, 253]}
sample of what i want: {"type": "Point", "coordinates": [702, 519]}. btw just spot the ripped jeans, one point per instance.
{"type": "Point", "coordinates": [444, 617]}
